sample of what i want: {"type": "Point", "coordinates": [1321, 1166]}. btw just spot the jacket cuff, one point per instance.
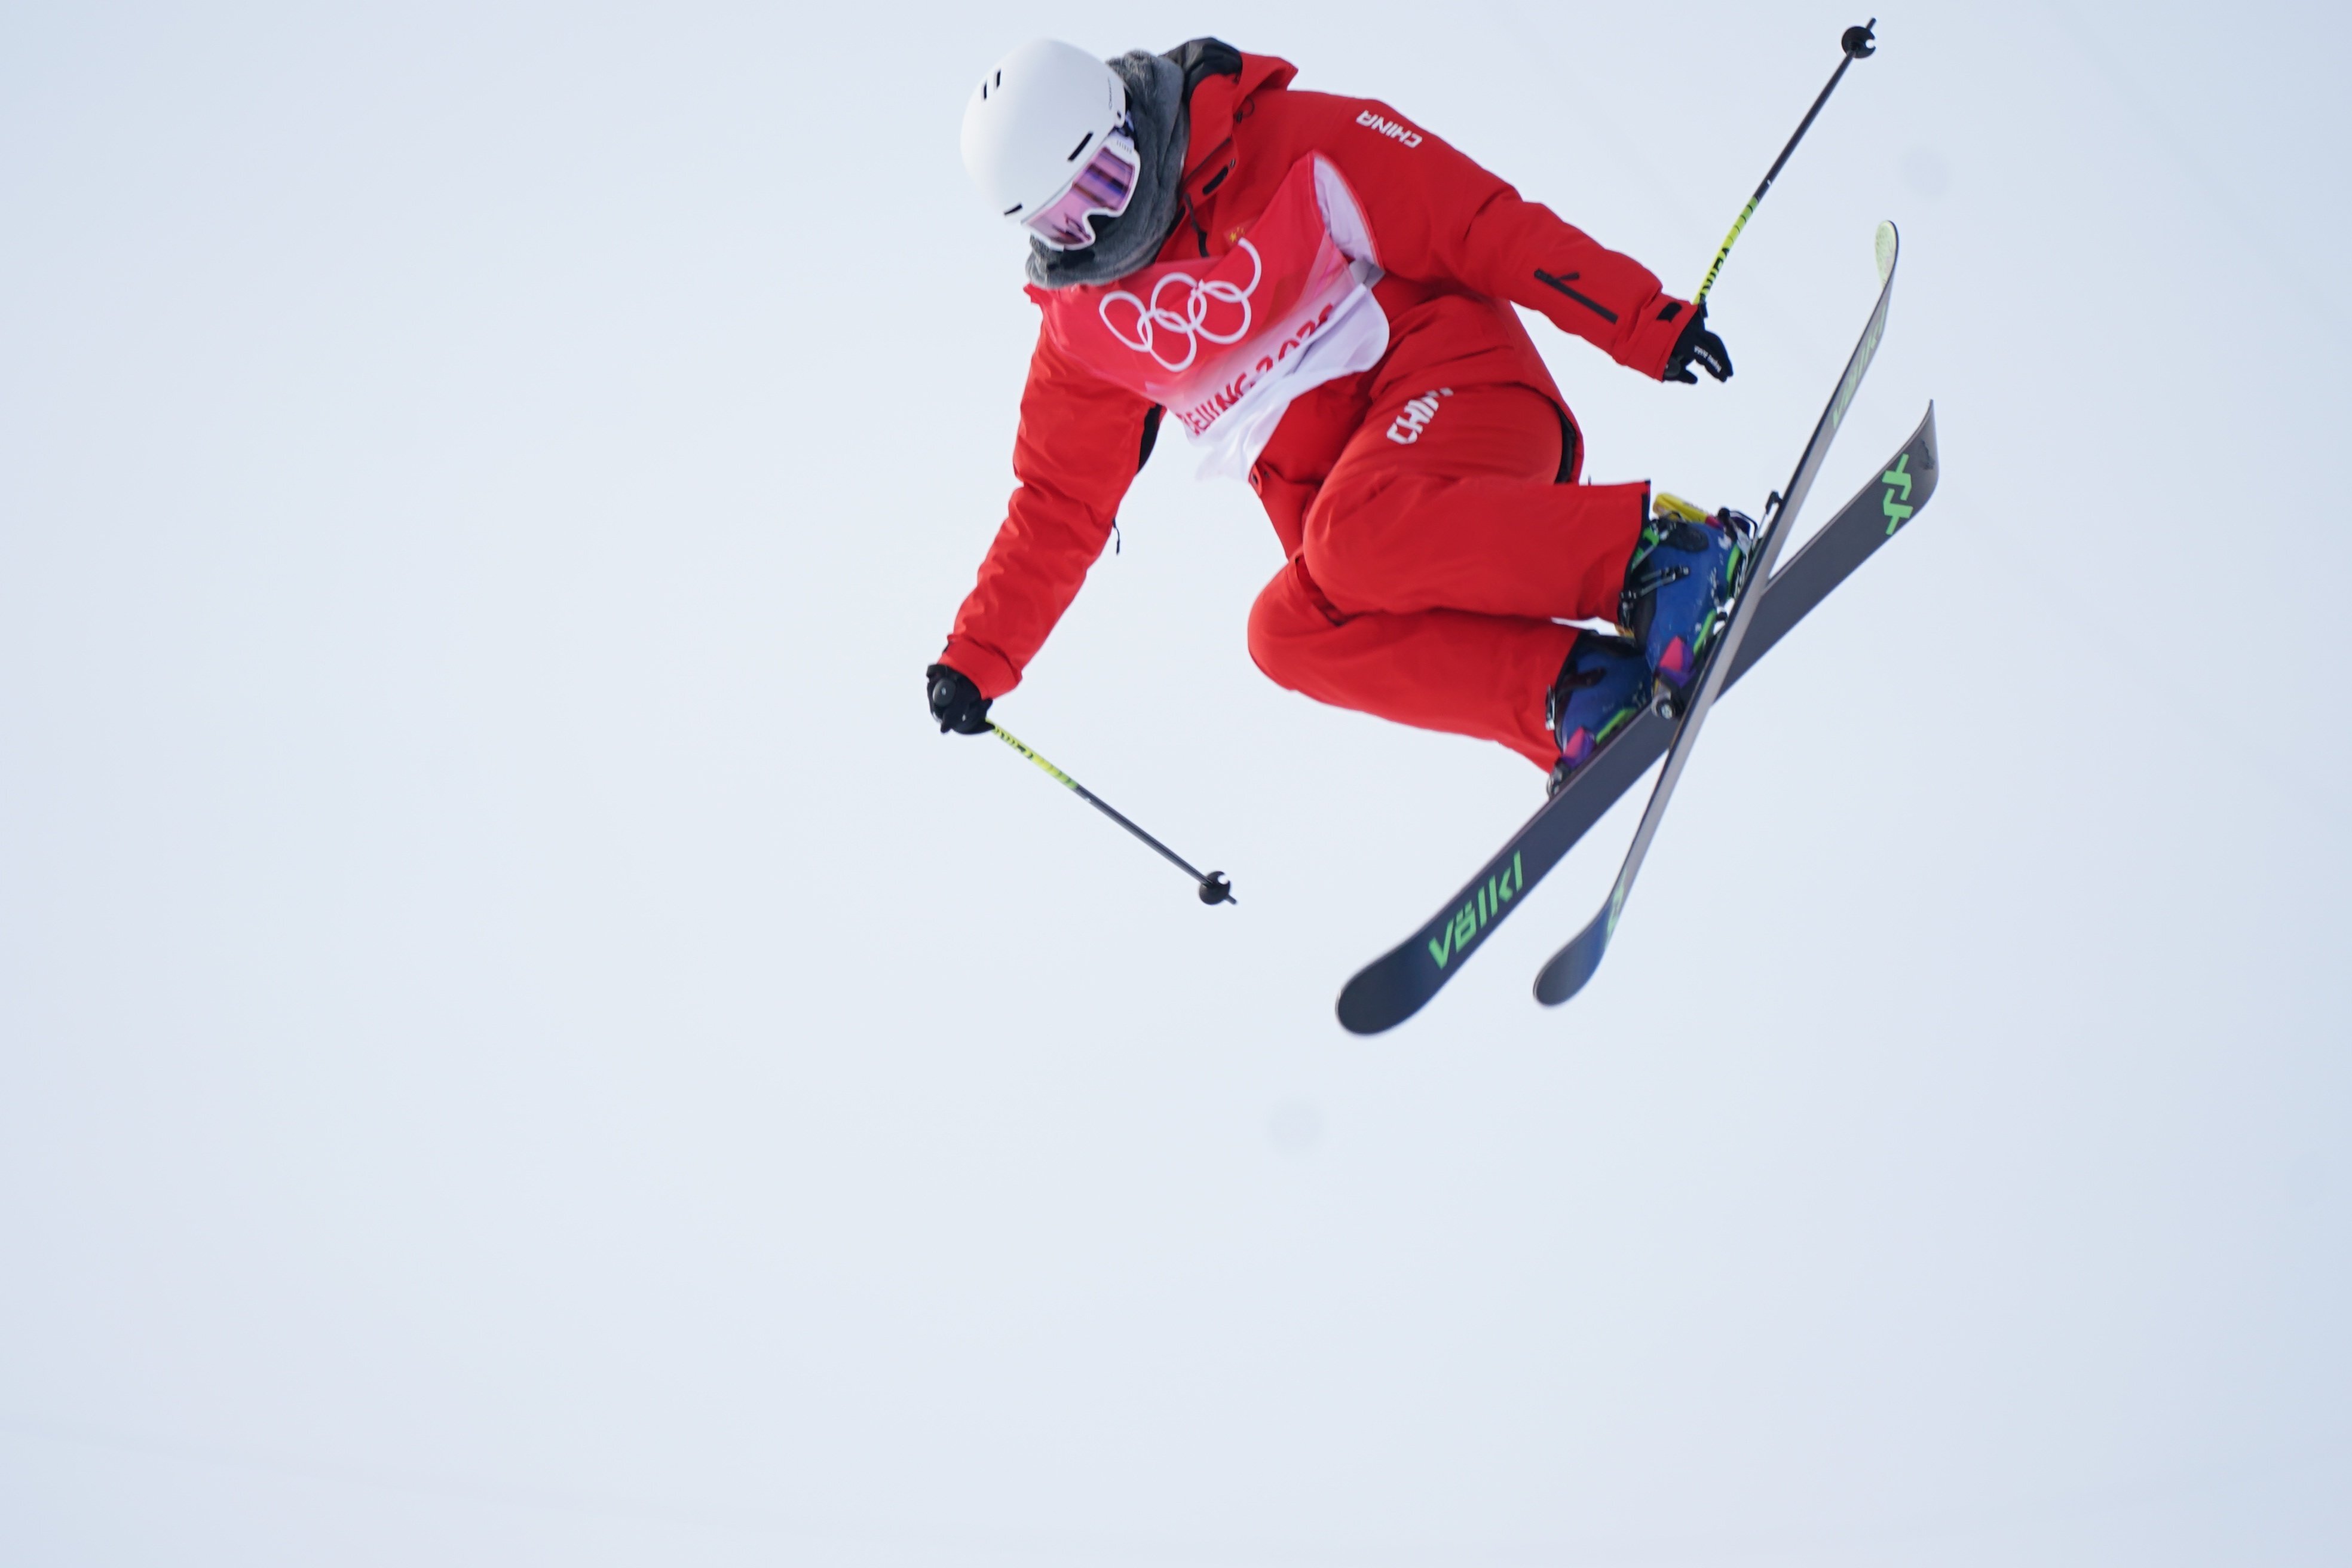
{"type": "Point", "coordinates": [1660, 327]}
{"type": "Point", "coordinates": [983, 666]}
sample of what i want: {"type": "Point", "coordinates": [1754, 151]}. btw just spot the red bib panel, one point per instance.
{"type": "Point", "coordinates": [1226, 345]}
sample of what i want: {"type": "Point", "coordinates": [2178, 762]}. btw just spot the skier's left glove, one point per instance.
{"type": "Point", "coordinates": [1699, 347]}
{"type": "Point", "coordinates": [956, 702]}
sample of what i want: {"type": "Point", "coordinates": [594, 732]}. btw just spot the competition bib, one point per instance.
{"type": "Point", "coordinates": [1226, 345]}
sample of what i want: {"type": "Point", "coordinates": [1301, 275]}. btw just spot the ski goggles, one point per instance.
{"type": "Point", "coordinates": [1102, 189]}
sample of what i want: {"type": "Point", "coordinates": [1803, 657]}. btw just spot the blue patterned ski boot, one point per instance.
{"type": "Point", "coordinates": [1684, 574]}
{"type": "Point", "coordinates": [1604, 684]}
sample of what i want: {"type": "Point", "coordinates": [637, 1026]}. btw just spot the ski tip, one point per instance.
{"type": "Point", "coordinates": [1886, 243]}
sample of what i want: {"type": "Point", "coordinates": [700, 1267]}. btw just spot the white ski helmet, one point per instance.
{"type": "Point", "coordinates": [1047, 140]}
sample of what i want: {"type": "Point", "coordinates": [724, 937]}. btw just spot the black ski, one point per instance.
{"type": "Point", "coordinates": [1401, 983]}
{"type": "Point", "coordinates": [1575, 963]}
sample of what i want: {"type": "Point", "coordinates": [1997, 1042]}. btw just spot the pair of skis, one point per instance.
{"type": "Point", "coordinates": [1399, 983]}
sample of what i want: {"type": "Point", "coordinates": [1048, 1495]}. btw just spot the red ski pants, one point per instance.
{"type": "Point", "coordinates": [1434, 560]}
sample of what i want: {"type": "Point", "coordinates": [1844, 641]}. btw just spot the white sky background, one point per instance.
{"type": "Point", "coordinates": [518, 1045]}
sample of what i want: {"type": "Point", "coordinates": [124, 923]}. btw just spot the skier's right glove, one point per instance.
{"type": "Point", "coordinates": [956, 702]}
{"type": "Point", "coordinates": [1699, 347]}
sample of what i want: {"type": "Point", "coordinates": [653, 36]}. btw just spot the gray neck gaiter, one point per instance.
{"type": "Point", "coordinates": [1155, 102]}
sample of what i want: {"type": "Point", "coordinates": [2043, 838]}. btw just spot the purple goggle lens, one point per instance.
{"type": "Point", "coordinates": [1102, 189]}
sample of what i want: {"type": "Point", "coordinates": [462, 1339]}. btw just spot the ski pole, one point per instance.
{"type": "Point", "coordinates": [1214, 888]}
{"type": "Point", "coordinates": [1859, 44]}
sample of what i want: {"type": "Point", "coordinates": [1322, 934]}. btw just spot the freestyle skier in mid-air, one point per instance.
{"type": "Point", "coordinates": [1319, 291]}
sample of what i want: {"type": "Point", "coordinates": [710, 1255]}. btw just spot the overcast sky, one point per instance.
{"type": "Point", "coordinates": [519, 1044]}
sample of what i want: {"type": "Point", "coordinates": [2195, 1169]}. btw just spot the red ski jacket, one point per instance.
{"type": "Point", "coordinates": [1454, 243]}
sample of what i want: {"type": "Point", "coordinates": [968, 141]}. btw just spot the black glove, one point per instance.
{"type": "Point", "coordinates": [1699, 347]}
{"type": "Point", "coordinates": [956, 702]}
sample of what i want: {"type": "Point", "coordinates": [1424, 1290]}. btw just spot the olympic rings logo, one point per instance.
{"type": "Point", "coordinates": [1153, 321]}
